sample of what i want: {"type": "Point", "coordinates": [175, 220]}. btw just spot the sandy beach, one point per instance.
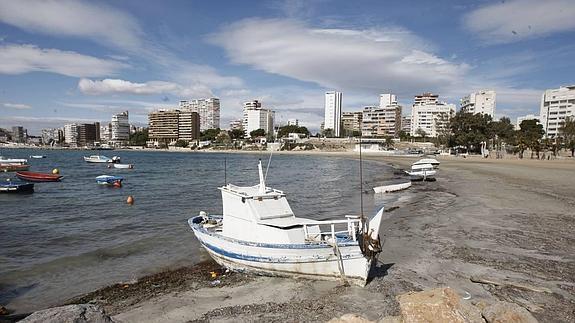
{"type": "Point", "coordinates": [496, 229]}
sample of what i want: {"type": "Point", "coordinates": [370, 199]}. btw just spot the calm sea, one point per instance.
{"type": "Point", "coordinates": [75, 236]}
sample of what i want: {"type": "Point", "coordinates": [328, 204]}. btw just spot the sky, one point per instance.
{"type": "Point", "coordinates": [82, 61]}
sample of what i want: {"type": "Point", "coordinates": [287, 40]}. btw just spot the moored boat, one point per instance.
{"type": "Point", "coordinates": [125, 166]}
{"type": "Point", "coordinates": [38, 177]}
{"type": "Point", "coordinates": [12, 167]}
{"type": "Point", "coordinates": [21, 161]}
{"type": "Point", "coordinates": [111, 180]}
{"type": "Point", "coordinates": [392, 187]}
{"type": "Point", "coordinates": [97, 159]}
{"type": "Point", "coordinates": [432, 161]}
{"type": "Point", "coordinates": [16, 188]}
{"type": "Point", "coordinates": [421, 172]}
{"type": "Point", "coordinates": [259, 233]}
{"type": "Point", "coordinates": [37, 156]}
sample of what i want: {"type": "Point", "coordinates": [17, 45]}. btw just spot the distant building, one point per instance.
{"type": "Point", "coordinates": [18, 134]}
{"type": "Point", "coordinates": [106, 132]}
{"type": "Point", "coordinates": [236, 125]}
{"type": "Point", "coordinates": [479, 102]}
{"type": "Point", "coordinates": [164, 127]}
{"type": "Point", "coordinates": [387, 99]}
{"type": "Point", "coordinates": [372, 122]}
{"type": "Point", "coordinates": [556, 105]}
{"type": "Point", "coordinates": [527, 117]}
{"type": "Point", "coordinates": [406, 124]}
{"type": "Point", "coordinates": [293, 122]}
{"type": "Point", "coordinates": [207, 109]}
{"type": "Point", "coordinates": [429, 115]}
{"type": "Point", "coordinates": [351, 122]}
{"type": "Point", "coordinates": [71, 134]}
{"type": "Point", "coordinates": [120, 129]}
{"type": "Point", "coordinates": [255, 117]}
{"type": "Point", "coordinates": [383, 120]}
{"type": "Point", "coordinates": [88, 133]}
{"type": "Point", "coordinates": [52, 136]}
{"type": "Point", "coordinates": [332, 117]}
{"type": "Point", "coordinates": [188, 125]}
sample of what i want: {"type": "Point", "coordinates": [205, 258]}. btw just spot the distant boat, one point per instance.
{"type": "Point", "coordinates": [39, 177]}
{"type": "Point", "coordinates": [16, 188]}
{"type": "Point", "coordinates": [392, 187]}
{"type": "Point", "coordinates": [37, 156]}
{"type": "Point", "coordinates": [97, 159]}
{"type": "Point", "coordinates": [110, 180]}
{"type": "Point", "coordinates": [12, 167]}
{"type": "Point", "coordinates": [21, 161]}
{"type": "Point", "coordinates": [432, 161]}
{"type": "Point", "coordinates": [125, 166]}
{"type": "Point", "coordinates": [259, 233]}
{"type": "Point", "coordinates": [421, 172]}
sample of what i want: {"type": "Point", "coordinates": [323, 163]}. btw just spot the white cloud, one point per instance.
{"type": "Point", "coordinates": [17, 106]}
{"type": "Point", "coordinates": [515, 20]}
{"type": "Point", "coordinates": [117, 86]}
{"type": "Point", "coordinates": [358, 60]}
{"type": "Point", "coordinates": [19, 59]}
{"type": "Point", "coordinates": [73, 18]}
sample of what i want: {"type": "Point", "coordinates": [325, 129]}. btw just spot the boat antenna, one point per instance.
{"type": "Point", "coordinates": [269, 162]}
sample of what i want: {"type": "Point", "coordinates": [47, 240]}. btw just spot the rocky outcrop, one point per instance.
{"type": "Point", "coordinates": [79, 313]}
{"type": "Point", "coordinates": [501, 312]}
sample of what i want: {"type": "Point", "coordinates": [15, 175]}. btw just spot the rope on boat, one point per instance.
{"type": "Point", "coordinates": [337, 252]}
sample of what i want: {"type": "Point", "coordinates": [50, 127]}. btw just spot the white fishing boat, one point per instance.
{"type": "Point", "coordinates": [259, 233]}
{"type": "Point", "coordinates": [421, 172]}
{"type": "Point", "coordinates": [391, 187]}
{"type": "Point", "coordinates": [432, 161]}
{"type": "Point", "coordinates": [37, 156]}
{"type": "Point", "coordinates": [97, 159]}
{"type": "Point", "coordinates": [123, 166]}
{"type": "Point", "coordinates": [13, 161]}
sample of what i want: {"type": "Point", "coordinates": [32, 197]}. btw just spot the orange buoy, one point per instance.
{"type": "Point", "coordinates": [130, 200]}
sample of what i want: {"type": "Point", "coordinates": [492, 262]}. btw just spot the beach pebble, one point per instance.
{"type": "Point", "coordinates": [78, 313]}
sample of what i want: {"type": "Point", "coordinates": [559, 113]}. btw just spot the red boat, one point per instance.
{"type": "Point", "coordinates": [38, 177]}
{"type": "Point", "coordinates": [10, 167]}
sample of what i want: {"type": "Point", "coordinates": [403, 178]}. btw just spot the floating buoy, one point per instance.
{"type": "Point", "coordinates": [130, 200]}
{"type": "Point", "coordinates": [55, 171]}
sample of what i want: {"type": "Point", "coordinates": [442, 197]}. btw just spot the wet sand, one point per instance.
{"type": "Point", "coordinates": [497, 229]}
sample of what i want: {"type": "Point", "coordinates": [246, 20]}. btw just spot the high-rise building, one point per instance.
{"type": "Point", "coordinates": [293, 122]}
{"type": "Point", "coordinates": [351, 122]}
{"type": "Point", "coordinates": [260, 119]}
{"type": "Point", "coordinates": [387, 99]}
{"type": "Point", "coordinates": [164, 126]}
{"type": "Point", "coordinates": [106, 132]}
{"type": "Point", "coordinates": [429, 115]}
{"type": "Point", "coordinates": [18, 134]}
{"type": "Point", "coordinates": [88, 133]}
{"type": "Point", "coordinates": [406, 124]}
{"type": "Point", "coordinates": [188, 125]}
{"type": "Point", "coordinates": [332, 118]}
{"type": "Point", "coordinates": [52, 136]}
{"type": "Point", "coordinates": [372, 121]}
{"type": "Point", "coordinates": [236, 125]}
{"type": "Point", "coordinates": [207, 109]}
{"type": "Point", "coordinates": [249, 105]}
{"type": "Point", "coordinates": [479, 102]}
{"type": "Point", "coordinates": [392, 114]}
{"type": "Point", "coordinates": [120, 128]}
{"type": "Point", "coordinates": [526, 117]}
{"type": "Point", "coordinates": [71, 134]}
{"type": "Point", "coordinates": [556, 105]}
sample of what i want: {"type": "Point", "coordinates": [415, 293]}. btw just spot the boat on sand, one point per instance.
{"type": "Point", "coordinates": [259, 233]}
{"type": "Point", "coordinates": [421, 172]}
{"type": "Point", "coordinates": [38, 177]}
{"type": "Point", "coordinates": [432, 161]}
{"type": "Point", "coordinates": [392, 187]}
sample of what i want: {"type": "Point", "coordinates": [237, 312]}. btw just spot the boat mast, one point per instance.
{"type": "Point", "coordinates": [262, 188]}
{"type": "Point", "coordinates": [362, 217]}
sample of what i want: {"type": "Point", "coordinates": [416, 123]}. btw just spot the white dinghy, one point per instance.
{"type": "Point", "coordinates": [391, 188]}
{"type": "Point", "coordinates": [259, 233]}
{"type": "Point", "coordinates": [421, 172]}
{"type": "Point", "coordinates": [432, 161]}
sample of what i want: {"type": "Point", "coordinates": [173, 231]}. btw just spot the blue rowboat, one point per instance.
{"type": "Point", "coordinates": [110, 180]}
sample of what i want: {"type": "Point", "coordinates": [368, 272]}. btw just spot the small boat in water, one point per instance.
{"type": "Point", "coordinates": [37, 156]}
{"type": "Point", "coordinates": [111, 180]}
{"type": "Point", "coordinates": [259, 233]}
{"type": "Point", "coordinates": [21, 161]}
{"type": "Point", "coordinates": [125, 166]}
{"type": "Point", "coordinates": [39, 177]}
{"type": "Point", "coordinates": [432, 161]}
{"type": "Point", "coordinates": [421, 172]}
{"type": "Point", "coordinates": [16, 188]}
{"type": "Point", "coordinates": [392, 187]}
{"type": "Point", "coordinates": [97, 159]}
{"type": "Point", "coordinates": [12, 167]}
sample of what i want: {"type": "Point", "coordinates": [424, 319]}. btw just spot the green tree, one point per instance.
{"type": "Point", "coordinates": [236, 133]}
{"type": "Point", "coordinates": [210, 134]}
{"type": "Point", "coordinates": [403, 136]}
{"type": "Point", "coordinates": [139, 138]}
{"type": "Point", "coordinates": [286, 130]}
{"type": "Point", "coordinates": [182, 143]}
{"type": "Point", "coordinates": [257, 133]}
{"type": "Point", "coordinates": [329, 133]}
{"type": "Point", "coordinates": [470, 129]}
{"type": "Point", "coordinates": [567, 131]}
{"type": "Point", "coordinates": [421, 133]}
{"type": "Point", "coordinates": [442, 128]}
{"type": "Point", "coordinates": [529, 136]}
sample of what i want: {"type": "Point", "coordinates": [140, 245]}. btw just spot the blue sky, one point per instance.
{"type": "Point", "coordinates": [66, 61]}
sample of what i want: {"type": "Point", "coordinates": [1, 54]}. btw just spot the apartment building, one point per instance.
{"type": "Point", "coordinates": [351, 122]}
{"type": "Point", "coordinates": [207, 109]}
{"type": "Point", "coordinates": [556, 105]}
{"type": "Point", "coordinates": [479, 102]}
{"type": "Point", "coordinates": [430, 115]}
{"type": "Point", "coordinates": [332, 117]}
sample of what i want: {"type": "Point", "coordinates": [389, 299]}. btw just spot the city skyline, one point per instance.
{"type": "Point", "coordinates": [60, 65]}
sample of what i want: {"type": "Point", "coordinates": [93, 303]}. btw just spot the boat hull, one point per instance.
{"type": "Point", "coordinates": [13, 167]}
{"type": "Point", "coordinates": [392, 188]}
{"type": "Point", "coordinates": [312, 261]}
{"type": "Point", "coordinates": [12, 188]}
{"type": "Point", "coordinates": [38, 177]}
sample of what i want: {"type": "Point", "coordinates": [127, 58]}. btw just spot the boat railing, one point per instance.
{"type": "Point", "coordinates": [331, 229]}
